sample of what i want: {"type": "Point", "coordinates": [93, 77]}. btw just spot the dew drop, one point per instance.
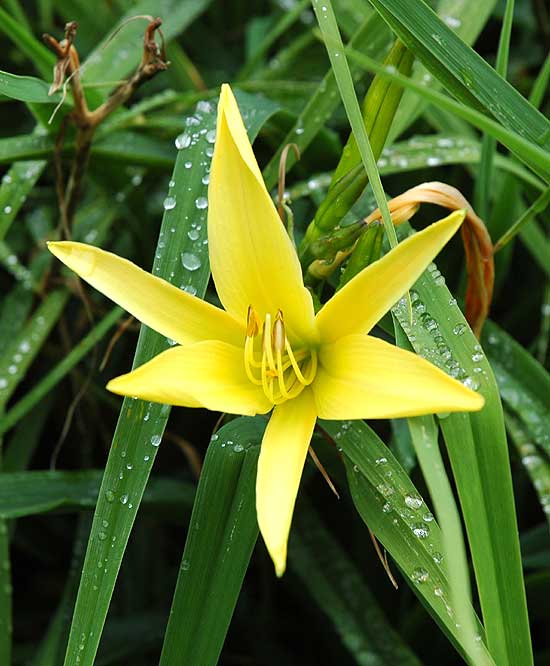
{"type": "Point", "coordinates": [459, 329]}
{"type": "Point", "coordinates": [471, 383]}
{"type": "Point", "coordinates": [155, 440]}
{"type": "Point", "coordinates": [437, 557]}
{"type": "Point", "coordinates": [169, 203]}
{"type": "Point", "coordinates": [413, 501]}
{"type": "Point", "coordinates": [201, 203]}
{"type": "Point", "coordinates": [190, 261]}
{"type": "Point", "coordinates": [420, 575]}
{"type": "Point", "coordinates": [421, 530]}
{"type": "Point", "coordinates": [183, 141]}
{"type": "Point", "coordinates": [123, 499]}
{"type": "Point", "coordinates": [109, 496]}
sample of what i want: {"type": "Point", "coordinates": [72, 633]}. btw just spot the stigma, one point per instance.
{"type": "Point", "coordinates": [270, 361]}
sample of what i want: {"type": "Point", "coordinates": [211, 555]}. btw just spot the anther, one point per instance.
{"type": "Point", "coordinates": [279, 336]}
{"type": "Point", "coordinates": [252, 323]}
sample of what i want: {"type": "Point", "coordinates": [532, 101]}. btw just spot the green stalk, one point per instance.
{"type": "Point", "coordinates": [489, 144]}
{"type": "Point", "coordinates": [335, 49]}
{"type": "Point", "coordinates": [538, 206]}
{"type": "Point", "coordinates": [529, 153]}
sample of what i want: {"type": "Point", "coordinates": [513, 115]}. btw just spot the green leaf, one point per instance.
{"type": "Point", "coordinates": [126, 147]}
{"type": "Point", "coordinates": [342, 593]}
{"type": "Point", "coordinates": [373, 37]}
{"type": "Point", "coordinates": [29, 493]}
{"type": "Point", "coordinates": [523, 383]}
{"type": "Point", "coordinates": [42, 388]}
{"type": "Point", "coordinates": [439, 332]}
{"type": "Point", "coordinates": [42, 59]}
{"type": "Point", "coordinates": [26, 89]}
{"type": "Point", "coordinates": [535, 463]}
{"type": "Point", "coordinates": [485, 172]}
{"type": "Point", "coordinates": [395, 511]}
{"type": "Point", "coordinates": [529, 152]}
{"type": "Point", "coordinates": [21, 350]}
{"type": "Point", "coordinates": [344, 80]}
{"type": "Point", "coordinates": [379, 108]}
{"type": "Point", "coordinates": [424, 434]}
{"type": "Point", "coordinates": [120, 52]}
{"type": "Point", "coordinates": [467, 19]}
{"type": "Point", "coordinates": [222, 534]}
{"type": "Point", "coordinates": [17, 182]}
{"type": "Point", "coordinates": [461, 70]}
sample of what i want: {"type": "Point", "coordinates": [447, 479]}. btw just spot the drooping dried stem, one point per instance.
{"type": "Point", "coordinates": [478, 246]}
{"type": "Point", "coordinates": [67, 70]}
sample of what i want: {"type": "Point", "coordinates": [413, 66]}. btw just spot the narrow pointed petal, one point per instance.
{"type": "Point", "coordinates": [362, 377]}
{"type": "Point", "coordinates": [371, 293]}
{"type": "Point", "coordinates": [158, 304]}
{"type": "Point", "coordinates": [282, 456]}
{"type": "Point", "coordinates": [252, 258]}
{"type": "Point", "coordinates": [206, 374]}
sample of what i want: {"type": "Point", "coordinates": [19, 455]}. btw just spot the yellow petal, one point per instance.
{"type": "Point", "coordinates": [282, 456]}
{"type": "Point", "coordinates": [158, 304]}
{"type": "Point", "coordinates": [369, 295]}
{"type": "Point", "coordinates": [252, 258]}
{"type": "Point", "coordinates": [205, 374]}
{"type": "Point", "coordinates": [362, 377]}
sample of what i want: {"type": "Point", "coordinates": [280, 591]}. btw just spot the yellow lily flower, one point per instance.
{"type": "Point", "coordinates": [268, 350]}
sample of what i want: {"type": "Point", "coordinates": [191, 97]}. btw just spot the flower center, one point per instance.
{"type": "Point", "coordinates": [270, 361]}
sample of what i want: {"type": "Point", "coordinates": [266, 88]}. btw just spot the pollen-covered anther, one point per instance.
{"type": "Point", "coordinates": [279, 337]}
{"type": "Point", "coordinates": [273, 364]}
{"type": "Point", "coordinates": [252, 323]}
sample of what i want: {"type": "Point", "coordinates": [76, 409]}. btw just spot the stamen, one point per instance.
{"type": "Point", "coordinates": [313, 368]}
{"type": "Point", "coordinates": [279, 372]}
{"type": "Point", "coordinates": [280, 375]}
{"type": "Point", "coordinates": [252, 323]}
{"type": "Point", "coordinates": [279, 336]}
{"type": "Point", "coordinates": [268, 349]}
{"type": "Point", "coordinates": [296, 367]}
{"type": "Point", "coordinates": [250, 362]}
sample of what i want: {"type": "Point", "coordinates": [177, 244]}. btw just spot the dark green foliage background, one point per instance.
{"type": "Point", "coordinates": [335, 605]}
